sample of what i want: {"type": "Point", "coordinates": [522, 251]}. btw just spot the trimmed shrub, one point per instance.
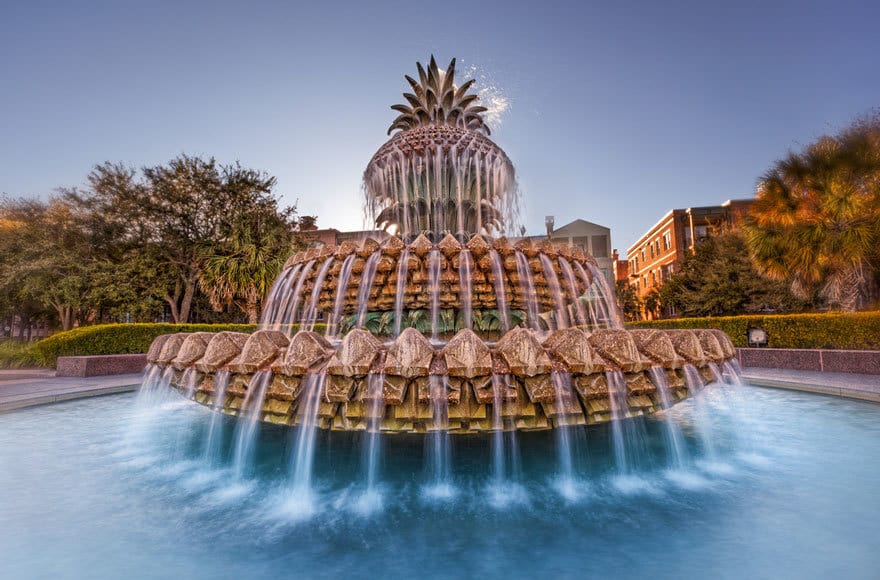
{"type": "Point", "coordinates": [15, 354]}
{"type": "Point", "coordinates": [119, 339]}
{"type": "Point", "coordinates": [832, 330]}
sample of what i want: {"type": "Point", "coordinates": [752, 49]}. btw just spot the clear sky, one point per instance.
{"type": "Point", "coordinates": [617, 111]}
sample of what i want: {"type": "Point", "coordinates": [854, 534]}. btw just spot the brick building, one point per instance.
{"type": "Point", "coordinates": [660, 251]}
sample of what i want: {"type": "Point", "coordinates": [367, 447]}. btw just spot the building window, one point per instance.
{"type": "Point", "coordinates": [667, 241]}
{"type": "Point", "coordinates": [581, 242]}
{"type": "Point", "coordinates": [600, 246]}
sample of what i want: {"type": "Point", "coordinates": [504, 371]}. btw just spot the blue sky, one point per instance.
{"type": "Point", "coordinates": [618, 111]}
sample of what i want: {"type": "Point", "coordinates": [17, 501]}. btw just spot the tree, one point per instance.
{"type": "Point", "coordinates": [816, 222]}
{"type": "Point", "coordinates": [719, 279]}
{"type": "Point", "coordinates": [628, 301]}
{"type": "Point", "coordinates": [241, 269]}
{"type": "Point", "coordinates": [176, 217]}
{"type": "Point", "coordinates": [653, 304]}
{"type": "Point", "coordinates": [47, 260]}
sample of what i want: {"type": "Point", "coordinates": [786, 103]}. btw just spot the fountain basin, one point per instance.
{"type": "Point", "coordinates": [790, 492]}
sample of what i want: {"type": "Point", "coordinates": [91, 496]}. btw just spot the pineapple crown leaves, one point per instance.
{"type": "Point", "coordinates": [436, 100]}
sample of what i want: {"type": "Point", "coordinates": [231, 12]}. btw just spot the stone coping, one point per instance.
{"type": "Point", "coordinates": [19, 391]}
{"type": "Point", "coordinates": [863, 387]}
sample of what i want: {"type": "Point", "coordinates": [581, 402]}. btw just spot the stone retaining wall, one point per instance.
{"type": "Point", "coordinates": [821, 360]}
{"type": "Point", "coordinates": [100, 365]}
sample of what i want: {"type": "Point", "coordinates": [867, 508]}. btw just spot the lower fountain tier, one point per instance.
{"type": "Point", "coordinates": [544, 275]}
{"type": "Point", "coordinates": [568, 378]}
{"type": "Point", "coordinates": [585, 401]}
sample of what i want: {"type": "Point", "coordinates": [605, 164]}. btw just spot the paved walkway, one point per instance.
{"type": "Point", "coordinates": [851, 385]}
{"type": "Point", "coordinates": [21, 388]}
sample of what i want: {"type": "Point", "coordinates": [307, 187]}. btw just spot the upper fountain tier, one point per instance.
{"type": "Point", "coordinates": [441, 173]}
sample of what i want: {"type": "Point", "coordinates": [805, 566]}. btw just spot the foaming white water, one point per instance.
{"type": "Point", "coordinates": [754, 459]}
{"type": "Point", "coordinates": [369, 502]}
{"type": "Point", "coordinates": [716, 467]}
{"type": "Point", "coordinates": [442, 491]}
{"type": "Point", "coordinates": [686, 479]}
{"type": "Point", "coordinates": [296, 505]}
{"type": "Point", "coordinates": [506, 493]}
{"type": "Point", "coordinates": [570, 488]}
{"type": "Point", "coordinates": [233, 491]}
{"type": "Point", "coordinates": [632, 484]}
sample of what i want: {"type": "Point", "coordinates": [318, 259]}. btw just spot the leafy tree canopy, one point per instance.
{"type": "Point", "coordinates": [816, 222]}
{"type": "Point", "coordinates": [719, 279]}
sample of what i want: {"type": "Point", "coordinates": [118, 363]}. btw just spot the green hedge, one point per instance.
{"type": "Point", "coordinates": [834, 330]}
{"type": "Point", "coordinates": [119, 338]}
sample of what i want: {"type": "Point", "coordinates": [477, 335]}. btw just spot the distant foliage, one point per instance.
{"type": "Point", "coordinates": [833, 330]}
{"type": "Point", "coordinates": [816, 222]}
{"type": "Point", "coordinates": [719, 279]}
{"type": "Point", "coordinates": [628, 301]}
{"type": "Point", "coordinates": [189, 236]}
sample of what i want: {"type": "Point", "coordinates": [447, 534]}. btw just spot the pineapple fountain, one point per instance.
{"type": "Point", "coordinates": [445, 326]}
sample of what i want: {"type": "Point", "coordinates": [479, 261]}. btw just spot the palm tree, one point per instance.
{"type": "Point", "coordinates": [241, 271]}
{"type": "Point", "coordinates": [816, 222]}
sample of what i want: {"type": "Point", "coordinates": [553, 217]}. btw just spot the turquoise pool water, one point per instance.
{"type": "Point", "coordinates": [776, 484]}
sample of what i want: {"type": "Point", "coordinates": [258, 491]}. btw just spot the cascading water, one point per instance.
{"type": "Point", "coordinates": [289, 315]}
{"type": "Point", "coordinates": [527, 289]}
{"type": "Point", "coordinates": [553, 282]}
{"type": "Point", "coordinates": [694, 383]}
{"type": "Point", "coordinates": [627, 433]}
{"type": "Point", "coordinates": [500, 290]}
{"type": "Point", "coordinates": [592, 304]}
{"type": "Point", "coordinates": [732, 372]}
{"type": "Point", "coordinates": [152, 384]}
{"type": "Point", "coordinates": [310, 315]}
{"type": "Point", "coordinates": [247, 427]}
{"type": "Point", "coordinates": [671, 431]}
{"type": "Point", "coordinates": [579, 313]}
{"type": "Point", "coordinates": [434, 292]}
{"type": "Point", "coordinates": [439, 450]}
{"type": "Point", "coordinates": [604, 296]}
{"type": "Point", "coordinates": [402, 269]}
{"type": "Point", "coordinates": [466, 288]}
{"type": "Point", "coordinates": [190, 380]}
{"type": "Point", "coordinates": [716, 372]}
{"type": "Point", "coordinates": [301, 500]}
{"type": "Point", "coordinates": [366, 287]}
{"type": "Point", "coordinates": [341, 288]}
{"type": "Point", "coordinates": [498, 386]}
{"type": "Point", "coordinates": [374, 403]}
{"type": "Point", "coordinates": [214, 437]}
{"type": "Point", "coordinates": [278, 297]}
{"type": "Point", "coordinates": [561, 387]}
